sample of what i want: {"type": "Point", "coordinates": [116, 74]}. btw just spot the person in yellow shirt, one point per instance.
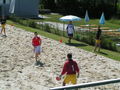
{"type": "Point", "coordinates": [98, 39]}
{"type": "Point", "coordinates": [3, 23]}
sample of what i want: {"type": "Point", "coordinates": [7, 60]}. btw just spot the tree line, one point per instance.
{"type": "Point", "coordinates": [78, 7]}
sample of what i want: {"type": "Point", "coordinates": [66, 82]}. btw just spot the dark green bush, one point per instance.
{"type": "Point", "coordinates": [87, 37]}
{"type": "Point", "coordinates": [77, 37]}
{"type": "Point", "coordinates": [108, 43]}
{"type": "Point", "coordinates": [32, 23]}
{"type": "Point", "coordinates": [47, 28]}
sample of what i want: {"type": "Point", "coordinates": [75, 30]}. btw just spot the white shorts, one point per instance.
{"type": "Point", "coordinates": [38, 49]}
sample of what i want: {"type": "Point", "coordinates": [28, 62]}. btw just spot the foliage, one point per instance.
{"type": "Point", "coordinates": [78, 7]}
{"type": "Point", "coordinates": [108, 42]}
{"type": "Point", "coordinates": [78, 44]}
{"type": "Point", "coordinates": [31, 23]}
{"type": "Point", "coordinates": [47, 28]}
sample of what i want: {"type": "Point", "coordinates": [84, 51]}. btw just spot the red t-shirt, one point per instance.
{"type": "Point", "coordinates": [70, 67]}
{"type": "Point", "coordinates": [36, 41]}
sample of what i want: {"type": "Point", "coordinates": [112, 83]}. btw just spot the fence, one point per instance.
{"type": "Point", "coordinates": [85, 85]}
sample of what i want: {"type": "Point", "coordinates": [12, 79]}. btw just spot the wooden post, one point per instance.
{"type": "Point", "coordinates": [63, 27]}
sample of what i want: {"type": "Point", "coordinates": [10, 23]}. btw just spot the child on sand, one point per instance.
{"type": "Point", "coordinates": [71, 70]}
{"type": "Point", "coordinates": [36, 42]}
{"type": "Point", "coordinates": [3, 23]}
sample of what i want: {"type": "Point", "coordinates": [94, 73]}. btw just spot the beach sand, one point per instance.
{"type": "Point", "coordinates": [18, 70]}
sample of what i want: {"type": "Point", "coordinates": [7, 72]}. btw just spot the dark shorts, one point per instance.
{"type": "Point", "coordinates": [70, 35]}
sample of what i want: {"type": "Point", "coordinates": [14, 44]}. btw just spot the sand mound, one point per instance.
{"type": "Point", "coordinates": [18, 72]}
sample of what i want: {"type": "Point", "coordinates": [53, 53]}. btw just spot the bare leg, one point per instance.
{"type": "Point", "coordinates": [4, 31]}
{"type": "Point", "coordinates": [1, 31]}
{"type": "Point", "coordinates": [36, 55]}
{"type": "Point", "coordinates": [64, 84]}
{"type": "Point", "coordinates": [95, 47]}
{"type": "Point", "coordinates": [99, 47]}
{"type": "Point", "coordinates": [70, 39]}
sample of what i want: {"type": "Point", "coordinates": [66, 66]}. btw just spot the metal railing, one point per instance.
{"type": "Point", "coordinates": [85, 85]}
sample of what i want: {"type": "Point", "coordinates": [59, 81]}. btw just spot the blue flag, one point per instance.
{"type": "Point", "coordinates": [12, 6]}
{"type": "Point", "coordinates": [102, 19]}
{"type": "Point", "coordinates": [86, 16]}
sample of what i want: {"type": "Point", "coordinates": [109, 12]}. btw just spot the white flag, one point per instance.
{"type": "Point", "coordinates": [12, 6]}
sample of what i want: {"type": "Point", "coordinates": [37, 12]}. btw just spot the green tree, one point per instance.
{"type": "Point", "coordinates": [48, 4]}
{"type": "Point", "coordinates": [78, 7]}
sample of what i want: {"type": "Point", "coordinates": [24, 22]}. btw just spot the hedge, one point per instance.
{"type": "Point", "coordinates": [108, 42]}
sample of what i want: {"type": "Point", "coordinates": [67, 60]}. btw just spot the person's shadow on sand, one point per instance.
{"type": "Point", "coordinates": [38, 63]}
{"type": "Point", "coordinates": [76, 44]}
{"type": "Point", "coordinates": [103, 53]}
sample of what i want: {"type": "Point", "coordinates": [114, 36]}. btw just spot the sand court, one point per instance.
{"type": "Point", "coordinates": [18, 72]}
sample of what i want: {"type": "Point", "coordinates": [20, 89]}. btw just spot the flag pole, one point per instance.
{"type": "Point", "coordinates": [12, 7]}
{"type": "Point", "coordinates": [3, 10]}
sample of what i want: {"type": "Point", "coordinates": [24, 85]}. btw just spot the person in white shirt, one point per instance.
{"type": "Point", "coordinates": [70, 31]}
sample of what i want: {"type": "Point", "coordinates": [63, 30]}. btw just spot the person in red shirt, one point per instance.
{"type": "Point", "coordinates": [71, 70]}
{"type": "Point", "coordinates": [36, 42]}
